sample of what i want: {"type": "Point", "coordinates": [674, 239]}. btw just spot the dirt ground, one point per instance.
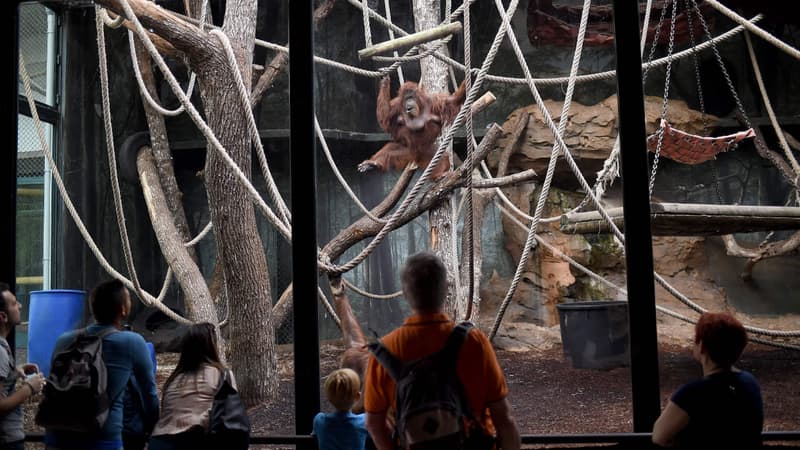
{"type": "Point", "coordinates": [549, 396]}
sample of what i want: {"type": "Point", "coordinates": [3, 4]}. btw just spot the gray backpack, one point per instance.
{"type": "Point", "coordinates": [432, 411]}
{"type": "Point", "coordinates": [75, 395]}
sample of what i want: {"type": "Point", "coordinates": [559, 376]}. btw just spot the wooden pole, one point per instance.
{"type": "Point", "coordinates": [410, 40]}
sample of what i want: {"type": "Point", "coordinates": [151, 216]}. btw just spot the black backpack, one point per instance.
{"type": "Point", "coordinates": [75, 396]}
{"type": "Point", "coordinates": [431, 407]}
{"type": "Point", "coordinates": [228, 424]}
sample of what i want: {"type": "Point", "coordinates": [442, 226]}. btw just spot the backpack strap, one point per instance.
{"type": "Point", "coordinates": [449, 353]}
{"type": "Point", "coordinates": [386, 359]}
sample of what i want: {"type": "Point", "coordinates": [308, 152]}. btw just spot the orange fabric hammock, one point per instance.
{"type": "Point", "coordinates": [688, 148]}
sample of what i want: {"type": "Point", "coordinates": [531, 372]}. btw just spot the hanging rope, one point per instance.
{"type": "Point", "coordinates": [201, 125]}
{"type": "Point", "coordinates": [200, 236]}
{"type": "Point", "coordinates": [87, 237]}
{"type": "Point", "coordinates": [357, 290]}
{"type": "Point", "coordinates": [339, 176]}
{"type": "Point", "coordinates": [469, 224]}
{"type": "Point", "coordinates": [789, 50]}
{"type": "Point", "coordinates": [107, 21]}
{"type": "Point", "coordinates": [367, 32]}
{"type": "Point", "coordinates": [768, 106]}
{"type": "Point", "coordinates": [391, 37]}
{"type": "Point", "coordinates": [551, 167]}
{"type": "Point", "coordinates": [446, 139]}
{"type": "Point", "coordinates": [112, 158]}
{"type": "Point", "coordinates": [272, 188]}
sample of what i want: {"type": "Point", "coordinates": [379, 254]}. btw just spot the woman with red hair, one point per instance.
{"type": "Point", "coordinates": [724, 409]}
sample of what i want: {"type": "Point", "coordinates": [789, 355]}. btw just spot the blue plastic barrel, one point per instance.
{"type": "Point", "coordinates": [51, 313]}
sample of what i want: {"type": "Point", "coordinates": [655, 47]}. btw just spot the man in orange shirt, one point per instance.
{"type": "Point", "coordinates": [424, 280]}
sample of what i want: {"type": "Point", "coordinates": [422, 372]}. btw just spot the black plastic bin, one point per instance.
{"type": "Point", "coordinates": [595, 334]}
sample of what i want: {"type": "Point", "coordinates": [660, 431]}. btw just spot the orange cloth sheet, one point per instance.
{"type": "Point", "coordinates": [688, 148]}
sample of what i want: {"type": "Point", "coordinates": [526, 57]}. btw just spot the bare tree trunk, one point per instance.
{"type": "Point", "coordinates": [250, 333]}
{"type": "Point", "coordinates": [161, 152]}
{"type": "Point", "coordinates": [442, 219]}
{"type": "Point", "coordinates": [198, 305]}
{"type": "Point", "coordinates": [251, 338]}
{"type": "Point", "coordinates": [483, 198]}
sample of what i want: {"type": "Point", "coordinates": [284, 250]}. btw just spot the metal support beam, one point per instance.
{"type": "Point", "coordinates": [304, 217]}
{"type": "Point", "coordinates": [636, 201]}
{"type": "Point", "coordinates": [8, 160]}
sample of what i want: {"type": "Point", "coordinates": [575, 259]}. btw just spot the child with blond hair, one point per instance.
{"type": "Point", "coordinates": [341, 430]}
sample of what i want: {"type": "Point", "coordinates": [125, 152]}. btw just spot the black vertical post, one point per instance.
{"type": "Point", "coordinates": [636, 203]}
{"type": "Point", "coordinates": [8, 161]}
{"type": "Point", "coordinates": [304, 216]}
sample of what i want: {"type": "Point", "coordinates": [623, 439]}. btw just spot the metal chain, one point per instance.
{"type": "Point", "coordinates": [665, 99]}
{"type": "Point", "coordinates": [656, 36]}
{"type": "Point", "coordinates": [701, 98]}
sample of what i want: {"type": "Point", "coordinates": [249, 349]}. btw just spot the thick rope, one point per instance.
{"type": "Point", "coordinates": [469, 223]}
{"type": "Point", "coordinates": [367, 31]}
{"type": "Point", "coordinates": [551, 168]}
{"type": "Point", "coordinates": [138, 72]}
{"type": "Point", "coordinates": [328, 307]}
{"type": "Point", "coordinates": [200, 236]}
{"type": "Point", "coordinates": [388, 10]}
{"type": "Point", "coordinates": [112, 158]}
{"type": "Point", "coordinates": [87, 237]}
{"type": "Point", "coordinates": [107, 21]}
{"type": "Point", "coordinates": [272, 188]}
{"type": "Point", "coordinates": [789, 50]}
{"type": "Point", "coordinates": [582, 180]}
{"type": "Point", "coordinates": [202, 126]}
{"type": "Point", "coordinates": [599, 76]}
{"type": "Point", "coordinates": [357, 290]}
{"type": "Point", "coordinates": [446, 139]}
{"type": "Point", "coordinates": [339, 176]}
{"type": "Point", "coordinates": [768, 105]}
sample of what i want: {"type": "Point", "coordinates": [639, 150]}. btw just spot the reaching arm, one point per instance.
{"type": "Point", "coordinates": [507, 432]}
{"type": "Point", "coordinates": [672, 420]}
{"type": "Point", "coordinates": [383, 109]}
{"type": "Point", "coordinates": [380, 432]}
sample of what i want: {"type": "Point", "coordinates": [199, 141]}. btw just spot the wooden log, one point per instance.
{"type": "Point", "coordinates": [680, 219]}
{"type": "Point", "coordinates": [482, 103]}
{"type": "Point", "coordinates": [410, 40]}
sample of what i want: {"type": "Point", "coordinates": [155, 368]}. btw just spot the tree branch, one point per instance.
{"type": "Point", "coordinates": [732, 248]}
{"type": "Point", "coordinates": [182, 35]}
{"type": "Point", "coordinates": [366, 227]}
{"type": "Point", "coordinates": [508, 180]}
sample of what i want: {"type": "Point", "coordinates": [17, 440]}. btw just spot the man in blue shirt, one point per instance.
{"type": "Point", "coordinates": [126, 356]}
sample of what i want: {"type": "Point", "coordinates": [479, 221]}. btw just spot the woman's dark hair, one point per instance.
{"type": "Point", "coordinates": [722, 336]}
{"type": "Point", "coordinates": [106, 301]}
{"type": "Point", "coordinates": [199, 346]}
